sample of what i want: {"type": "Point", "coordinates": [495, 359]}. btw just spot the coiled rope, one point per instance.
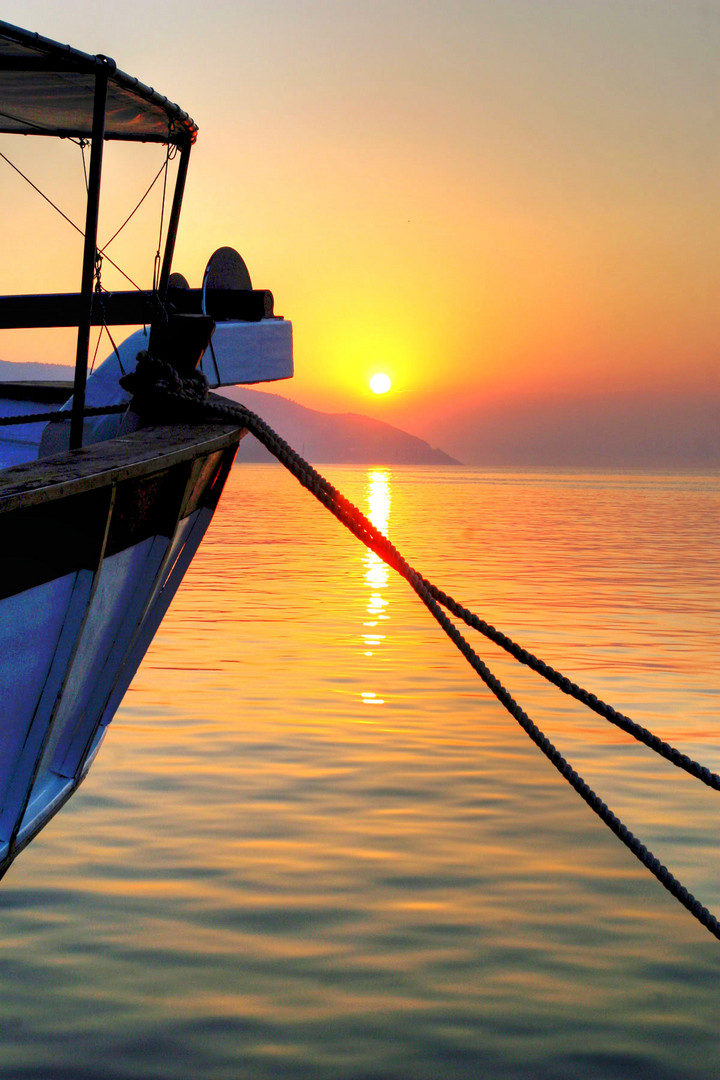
{"type": "Point", "coordinates": [156, 385]}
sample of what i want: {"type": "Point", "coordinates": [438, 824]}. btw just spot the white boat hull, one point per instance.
{"type": "Point", "coordinates": [118, 527]}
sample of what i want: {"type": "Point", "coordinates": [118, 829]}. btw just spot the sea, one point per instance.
{"type": "Point", "coordinates": [314, 846]}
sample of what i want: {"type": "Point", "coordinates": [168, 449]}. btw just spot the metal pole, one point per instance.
{"type": "Point", "coordinates": [174, 219]}
{"type": "Point", "coordinates": [89, 255]}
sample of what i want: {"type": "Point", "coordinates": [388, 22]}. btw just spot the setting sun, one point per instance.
{"type": "Point", "coordinates": [380, 383]}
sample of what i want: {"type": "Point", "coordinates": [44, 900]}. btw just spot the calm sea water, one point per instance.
{"type": "Point", "coordinates": [314, 847]}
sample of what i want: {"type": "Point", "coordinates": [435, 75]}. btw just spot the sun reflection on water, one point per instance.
{"type": "Point", "coordinates": [376, 572]}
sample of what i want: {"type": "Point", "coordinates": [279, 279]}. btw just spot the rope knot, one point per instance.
{"type": "Point", "coordinates": [159, 391]}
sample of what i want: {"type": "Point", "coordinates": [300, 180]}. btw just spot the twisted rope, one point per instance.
{"type": "Point", "coordinates": [379, 543]}
{"type": "Point", "coordinates": [155, 382]}
{"type": "Point", "coordinates": [58, 414]}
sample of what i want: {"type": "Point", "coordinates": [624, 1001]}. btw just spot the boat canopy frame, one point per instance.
{"type": "Point", "coordinates": [50, 89]}
{"type": "Point", "coordinates": [36, 72]}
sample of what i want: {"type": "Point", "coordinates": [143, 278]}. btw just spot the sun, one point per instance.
{"type": "Point", "coordinates": [380, 383]}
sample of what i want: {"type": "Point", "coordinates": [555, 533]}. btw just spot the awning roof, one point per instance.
{"type": "Point", "coordinates": [48, 89]}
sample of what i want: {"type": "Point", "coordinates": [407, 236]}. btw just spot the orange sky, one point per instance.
{"type": "Point", "coordinates": [487, 199]}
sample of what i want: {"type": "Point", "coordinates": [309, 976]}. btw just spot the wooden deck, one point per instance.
{"type": "Point", "coordinates": [138, 454]}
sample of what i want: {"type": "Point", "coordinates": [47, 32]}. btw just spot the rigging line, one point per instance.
{"type": "Point", "coordinates": [157, 261]}
{"type": "Point", "coordinates": [97, 346]}
{"type": "Point", "coordinates": [120, 271]}
{"type": "Point", "coordinates": [97, 292]}
{"type": "Point", "coordinates": [107, 244]}
{"type": "Point", "coordinates": [41, 193]}
{"type": "Point", "coordinates": [106, 329]}
{"type": "Point", "coordinates": [115, 348]}
{"type": "Point", "coordinates": [156, 273]}
{"type": "Point", "coordinates": [82, 143]}
{"type": "Point", "coordinates": [215, 363]}
{"type": "Point", "coordinates": [69, 220]}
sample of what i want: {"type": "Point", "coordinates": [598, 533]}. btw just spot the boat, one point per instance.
{"type": "Point", "coordinates": [101, 514]}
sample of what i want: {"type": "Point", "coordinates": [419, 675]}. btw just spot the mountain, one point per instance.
{"type": "Point", "coordinates": [337, 438]}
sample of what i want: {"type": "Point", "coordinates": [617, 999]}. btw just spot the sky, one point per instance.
{"type": "Point", "coordinates": [508, 206]}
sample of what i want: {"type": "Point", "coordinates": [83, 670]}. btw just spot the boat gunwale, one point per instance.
{"type": "Point", "coordinates": [140, 453]}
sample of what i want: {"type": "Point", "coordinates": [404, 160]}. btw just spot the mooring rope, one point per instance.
{"type": "Point", "coordinates": [354, 520]}
{"type": "Point", "coordinates": [358, 524]}
{"type": "Point", "coordinates": [157, 386]}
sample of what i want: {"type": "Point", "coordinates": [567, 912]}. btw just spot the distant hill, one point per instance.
{"type": "Point", "coordinates": [330, 438]}
{"type": "Point", "coordinates": [12, 372]}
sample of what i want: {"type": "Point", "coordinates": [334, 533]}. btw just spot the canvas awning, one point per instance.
{"type": "Point", "coordinates": [48, 89]}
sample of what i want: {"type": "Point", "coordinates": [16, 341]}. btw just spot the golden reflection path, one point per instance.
{"type": "Point", "coordinates": [377, 493]}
